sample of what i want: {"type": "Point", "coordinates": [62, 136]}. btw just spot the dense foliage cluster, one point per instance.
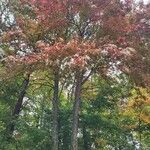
{"type": "Point", "coordinates": [74, 75]}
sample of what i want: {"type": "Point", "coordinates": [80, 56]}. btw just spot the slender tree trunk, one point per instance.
{"type": "Point", "coordinates": [55, 111]}
{"type": "Point", "coordinates": [18, 105]}
{"type": "Point", "coordinates": [86, 139]}
{"type": "Point", "coordinates": [140, 133]}
{"type": "Point", "coordinates": [76, 107]}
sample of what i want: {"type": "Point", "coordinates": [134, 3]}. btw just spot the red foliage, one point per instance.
{"type": "Point", "coordinates": [119, 24]}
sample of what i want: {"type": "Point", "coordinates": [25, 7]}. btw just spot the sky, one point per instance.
{"type": "Point", "coordinates": [145, 1]}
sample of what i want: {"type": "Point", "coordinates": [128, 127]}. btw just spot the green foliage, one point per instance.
{"type": "Point", "coordinates": [114, 112]}
{"type": "Point", "coordinates": [101, 121]}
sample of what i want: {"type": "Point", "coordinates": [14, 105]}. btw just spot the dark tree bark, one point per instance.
{"type": "Point", "coordinates": [55, 111]}
{"type": "Point", "coordinates": [76, 107]}
{"type": "Point", "coordinates": [86, 140]}
{"type": "Point", "coordinates": [18, 105]}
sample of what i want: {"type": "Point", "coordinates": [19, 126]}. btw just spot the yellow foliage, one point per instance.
{"type": "Point", "coordinates": [138, 106]}
{"type": "Point", "coordinates": [145, 118]}
{"type": "Point", "coordinates": [101, 142]}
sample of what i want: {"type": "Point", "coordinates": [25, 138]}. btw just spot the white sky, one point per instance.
{"type": "Point", "coordinates": [145, 1]}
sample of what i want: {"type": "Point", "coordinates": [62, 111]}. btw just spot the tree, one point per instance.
{"type": "Point", "coordinates": [72, 39]}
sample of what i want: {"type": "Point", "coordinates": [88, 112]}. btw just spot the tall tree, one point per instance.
{"type": "Point", "coordinates": [72, 38]}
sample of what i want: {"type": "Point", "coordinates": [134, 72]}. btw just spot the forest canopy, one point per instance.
{"type": "Point", "coordinates": [74, 75]}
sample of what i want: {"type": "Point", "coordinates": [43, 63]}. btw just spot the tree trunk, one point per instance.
{"type": "Point", "coordinates": [86, 139]}
{"type": "Point", "coordinates": [18, 105]}
{"type": "Point", "coordinates": [55, 111]}
{"type": "Point", "coordinates": [76, 107]}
